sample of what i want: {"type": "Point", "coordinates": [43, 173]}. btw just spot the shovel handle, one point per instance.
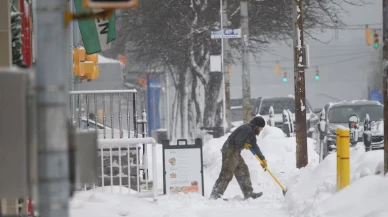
{"type": "Point", "coordinates": [270, 173]}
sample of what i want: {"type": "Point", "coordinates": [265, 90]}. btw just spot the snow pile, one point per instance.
{"type": "Point", "coordinates": [102, 59]}
{"type": "Point", "coordinates": [311, 190]}
{"type": "Point", "coordinates": [314, 186]}
{"type": "Point", "coordinates": [280, 155]}
{"type": "Point", "coordinates": [98, 204]}
{"type": "Point", "coordinates": [364, 198]}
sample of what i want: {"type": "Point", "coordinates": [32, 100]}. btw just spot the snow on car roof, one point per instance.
{"type": "Point", "coordinates": [354, 102]}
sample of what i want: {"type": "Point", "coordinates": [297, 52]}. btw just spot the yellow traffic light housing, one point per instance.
{"type": "Point", "coordinates": [85, 66]}
{"type": "Point", "coordinates": [376, 40]}
{"type": "Point", "coordinates": [92, 72]}
{"type": "Point", "coordinates": [79, 56]}
{"type": "Point", "coordinates": [277, 68]}
{"type": "Point", "coordinates": [110, 4]}
{"type": "Point", "coordinates": [368, 35]}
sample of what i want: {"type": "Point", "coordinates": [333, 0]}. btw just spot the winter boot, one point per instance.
{"type": "Point", "coordinates": [253, 195]}
{"type": "Point", "coordinates": [214, 197]}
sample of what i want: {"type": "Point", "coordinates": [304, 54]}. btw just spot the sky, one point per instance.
{"type": "Point", "coordinates": [343, 63]}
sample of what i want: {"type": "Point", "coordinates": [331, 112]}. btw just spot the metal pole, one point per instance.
{"type": "Point", "coordinates": [168, 105]}
{"type": "Point", "coordinates": [385, 81]}
{"type": "Point", "coordinates": [71, 73]}
{"type": "Point", "coordinates": [71, 43]}
{"type": "Point", "coordinates": [300, 95]}
{"type": "Point", "coordinates": [224, 123]}
{"type": "Point", "coordinates": [227, 110]}
{"type": "Point", "coordinates": [246, 85]}
{"type": "Point", "coordinates": [52, 97]}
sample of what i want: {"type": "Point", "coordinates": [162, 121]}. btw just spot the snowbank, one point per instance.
{"type": "Point", "coordinates": [314, 186]}
{"type": "Point", "coordinates": [311, 190]}
{"type": "Point", "coordinates": [280, 155]}
{"type": "Point", "coordinates": [366, 197]}
{"type": "Point", "coordinates": [98, 204]}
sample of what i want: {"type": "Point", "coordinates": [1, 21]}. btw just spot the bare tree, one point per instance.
{"type": "Point", "coordinates": [174, 35]}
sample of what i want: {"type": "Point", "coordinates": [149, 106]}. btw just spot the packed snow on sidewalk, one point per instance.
{"type": "Point", "coordinates": [311, 190]}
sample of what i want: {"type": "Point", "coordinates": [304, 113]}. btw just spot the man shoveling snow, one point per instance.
{"type": "Point", "coordinates": [233, 163]}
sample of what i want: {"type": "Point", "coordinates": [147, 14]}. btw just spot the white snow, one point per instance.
{"type": "Point", "coordinates": [311, 190]}
{"type": "Point", "coordinates": [302, 107]}
{"type": "Point", "coordinates": [102, 59]}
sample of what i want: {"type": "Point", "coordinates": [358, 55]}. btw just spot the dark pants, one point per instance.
{"type": "Point", "coordinates": [232, 164]}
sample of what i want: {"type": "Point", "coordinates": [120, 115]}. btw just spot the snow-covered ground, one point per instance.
{"type": "Point", "coordinates": [311, 190]}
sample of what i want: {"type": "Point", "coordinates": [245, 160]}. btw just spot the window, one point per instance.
{"type": "Point", "coordinates": [341, 114]}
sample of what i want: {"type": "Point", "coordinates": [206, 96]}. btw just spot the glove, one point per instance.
{"type": "Point", "coordinates": [264, 164]}
{"type": "Point", "coordinates": [247, 146]}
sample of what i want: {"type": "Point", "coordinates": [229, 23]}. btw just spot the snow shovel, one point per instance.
{"type": "Point", "coordinates": [249, 146]}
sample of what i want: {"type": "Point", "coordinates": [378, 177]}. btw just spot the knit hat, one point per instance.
{"type": "Point", "coordinates": [258, 121]}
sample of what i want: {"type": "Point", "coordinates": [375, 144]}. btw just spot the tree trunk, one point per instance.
{"type": "Point", "coordinates": [195, 109]}
{"type": "Point", "coordinates": [180, 107]}
{"type": "Point", "coordinates": [211, 97]}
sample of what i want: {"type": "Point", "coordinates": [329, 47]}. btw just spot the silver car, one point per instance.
{"type": "Point", "coordinates": [337, 114]}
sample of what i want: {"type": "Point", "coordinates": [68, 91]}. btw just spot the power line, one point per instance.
{"type": "Point", "coordinates": [318, 65]}
{"type": "Point", "coordinates": [320, 57]}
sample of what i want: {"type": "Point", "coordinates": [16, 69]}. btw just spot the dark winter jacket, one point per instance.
{"type": "Point", "coordinates": [243, 134]}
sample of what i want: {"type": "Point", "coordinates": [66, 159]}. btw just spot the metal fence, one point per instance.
{"type": "Point", "coordinates": [113, 114]}
{"type": "Point", "coordinates": [117, 175]}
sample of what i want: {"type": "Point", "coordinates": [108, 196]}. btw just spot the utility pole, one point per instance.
{"type": "Point", "coordinates": [246, 80]}
{"type": "Point", "coordinates": [228, 112]}
{"type": "Point", "coordinates": [52, 111]}
{"type": "Point", "coordinates": [299, 82]}
{"type": "Point", "coordinates": [385, 81]}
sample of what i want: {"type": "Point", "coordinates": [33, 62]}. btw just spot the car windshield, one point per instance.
{"type": "Point", "coordinates": [341, 114]}
{"type": "Point", "coordinates": [278, 104]}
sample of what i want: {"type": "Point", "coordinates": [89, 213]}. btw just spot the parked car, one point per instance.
{"type": "Point", "coordinates": [263, 104]}
{"type": "Point", "coordinates": [236, 107]}
{"type": "Point", "coordinates": [337, 114]}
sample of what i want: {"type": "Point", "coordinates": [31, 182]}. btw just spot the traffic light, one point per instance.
{"type": "Point", "coordinates": [110, 4]}
{"type": "Point", "coordinates": [317, 75]}
{"type": "Point", "coordinates": [277, 68]}
{"type": "Point", "coordinates": [368, 35]}
{"type": "Point", "coordinates": [92, 61]}
{"type": "Point", "coordinates": [376, 40]}
{"type": "Point", "coordinates": [85, 66]}
{"type": "Point", "coordinates": [285, 77]}
{"type": "Point", "coordinates": [79, 56]}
